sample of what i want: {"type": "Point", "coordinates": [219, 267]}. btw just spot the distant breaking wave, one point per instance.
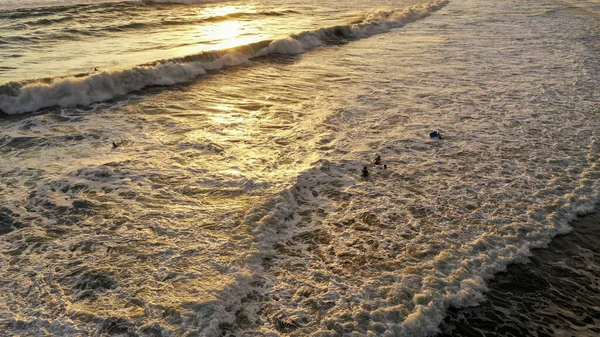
{"type": "Point", "coordinates": [71, 33]}
{"type": "Point", "coordinates": [182, 2]}
{"type": "Point", "coordinates": [84, 89]}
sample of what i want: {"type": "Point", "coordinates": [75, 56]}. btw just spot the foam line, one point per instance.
{"type": "Point", "coordinates": [180, 2]}
{"type": "Point", "coordinates": [472, 265]}
{"type": "Point", "coordinates": [107, 85]}
{"type": "Point", "coordinates": [29, 96]}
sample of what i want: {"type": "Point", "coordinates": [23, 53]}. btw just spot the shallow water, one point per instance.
{"type": "Point", "coordinates": [554, 294]}
{"type": "Point", "coordinates": [233, 203]}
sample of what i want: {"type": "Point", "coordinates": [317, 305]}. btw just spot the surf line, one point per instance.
{"type": "Point", "coordinates": [84, 89]}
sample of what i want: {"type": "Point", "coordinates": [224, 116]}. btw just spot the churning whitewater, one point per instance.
{"type": "Point", "coordinates": [195, 168]}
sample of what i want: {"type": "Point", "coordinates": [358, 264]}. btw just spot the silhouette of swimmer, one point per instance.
{"type": "Point", "coordinates": [377, 160]}
{"type": "Point", "coordinates": [365, 172]}
{"type": "Point", "coordinates": [435, 134]}
{"type": "Point", "coordinates": [384, 167]}
{"type": "Point", "coordinates": [115, 145]}
{"type": "Point", "coordinates": [96, 69]}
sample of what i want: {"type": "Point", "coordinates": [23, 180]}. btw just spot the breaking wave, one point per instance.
{"type": "Point", "coordinates": [181, 2]}
{"type": "Point", "coordinates": [302, 224]}
{"type": "Point", "coordinates": [84, 89]}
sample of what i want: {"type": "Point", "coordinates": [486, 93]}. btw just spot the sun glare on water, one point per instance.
{"type": "Point", "coordinates": [230, 33]}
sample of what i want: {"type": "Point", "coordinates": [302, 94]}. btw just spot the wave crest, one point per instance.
{"type": "Point", "coordinates": [84, 89]}
{"type": "Point", "coordinates": [107, 85]}
{"type": "Point", "coordinates": [180, 2]}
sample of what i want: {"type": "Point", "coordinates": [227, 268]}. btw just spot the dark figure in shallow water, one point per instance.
{"type": "Point", "coordinates": [115, 145]}
{"type": "Point", "coordinates": [435, 134]}
{"type": "Point", "coordinates": [365, 172]}
{"type": "Point", "coordinates": [377, 160]}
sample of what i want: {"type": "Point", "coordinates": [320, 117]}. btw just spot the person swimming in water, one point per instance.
{"type": "Point", "coordinates": [435, 134]}
{"type": "Point", "coordinates": [365, 172]}
{"type": "Point", "coordinates": [377, 160]}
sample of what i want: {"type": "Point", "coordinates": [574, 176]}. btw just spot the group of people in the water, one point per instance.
{"type": "Point", "coordinates": [365, 171]}
{"type": "Point", "coordinates": [377, 161]}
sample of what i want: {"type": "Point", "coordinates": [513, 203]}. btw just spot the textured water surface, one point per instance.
{"type": "Point", "coordinates": [232, 201]}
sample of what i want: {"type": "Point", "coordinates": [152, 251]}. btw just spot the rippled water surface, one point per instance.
{"type": "Point", "coordinates": [221, 193]}
{"type": "Point", "coordinates": [77, 37]}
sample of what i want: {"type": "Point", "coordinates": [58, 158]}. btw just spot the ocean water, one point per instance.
{"type": "Point", "coordinates": [232, 201]}
{"type": "Point", "coordinates": [556, 294]}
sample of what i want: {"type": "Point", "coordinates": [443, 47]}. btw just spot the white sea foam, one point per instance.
{"type": "Point", "coordinates": [107, 85]}
{"type": "Point", "coordinates": [104, 86]}
{"type": "Point", "coordinates": [207, 220]}
{"type": "Point", "coordinates": [181, 2]}
{"type": "Point", "coordinates": [452, 276]}
{"type": "Point", "coordinates": [371, 24]}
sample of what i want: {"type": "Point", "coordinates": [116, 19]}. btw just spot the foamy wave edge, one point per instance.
{"type": "Point", "coordinates": [23, 97]}
{"type": "Point", "coordinates": [493, 258]}
{"type": "Point", "coordinates": [275, 222]}
{"type": "Point", "coordinates": [180, 2]}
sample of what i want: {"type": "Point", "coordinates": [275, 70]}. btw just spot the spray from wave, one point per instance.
{"type": "Point", "coordinates": [29, 96]}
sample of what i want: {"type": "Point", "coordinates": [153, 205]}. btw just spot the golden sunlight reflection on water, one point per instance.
{"type": "Point", "coordinates": [226, 10]}
{"type": "Point", "coordinates": [229, 33]}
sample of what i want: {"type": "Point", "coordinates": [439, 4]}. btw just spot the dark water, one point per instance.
{"type": "Point", "coordinates": [556, 294]}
